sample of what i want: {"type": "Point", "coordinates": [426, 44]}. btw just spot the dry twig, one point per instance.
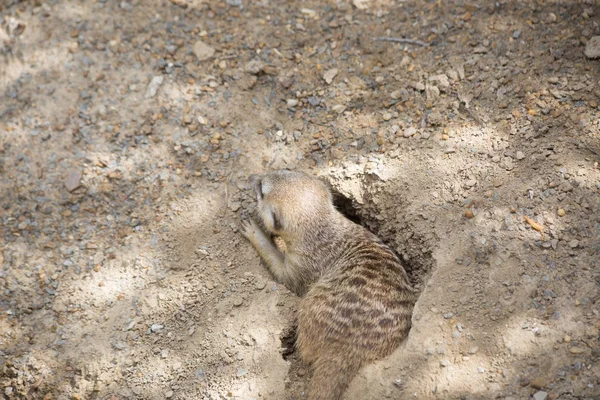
{"type": "Point", "coordinates": [401, 40]}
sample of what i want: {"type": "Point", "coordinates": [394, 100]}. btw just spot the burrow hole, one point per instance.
{"type": "Point", "coordinates": [416, 263]}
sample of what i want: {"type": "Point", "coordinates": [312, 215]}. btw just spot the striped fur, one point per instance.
{"type": "Point", "coordinates": [357, 301]}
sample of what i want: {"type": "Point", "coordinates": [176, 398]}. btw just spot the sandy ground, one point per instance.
{"type": "Point", "coordinates": [128, 130]}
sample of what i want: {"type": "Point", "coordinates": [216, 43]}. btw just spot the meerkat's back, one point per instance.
{"type": "Point", "coordinates": [357, 302]}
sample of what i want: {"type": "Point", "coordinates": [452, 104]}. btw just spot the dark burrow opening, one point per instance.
{"type": "Point", "coordinates": [344, 205]}
{"type": "Point", "coordinates": [416, 264]}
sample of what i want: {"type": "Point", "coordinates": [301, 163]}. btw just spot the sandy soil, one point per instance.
{"type": "Point", "coordinates": [128, 130]}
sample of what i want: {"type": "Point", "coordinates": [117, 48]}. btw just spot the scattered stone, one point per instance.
{"type": "Point", "coordinates": [541, 395]}
{"type": "Point", "coordinates": [361, 4]}
{"type": "Point", "coordinates": [450, 150]}
{"type": "Point", "coordinates": [410, 131]}
{"type": "Point", "coordinates": [170, 393]}
{"type": "Point", "coordinates": [292, 103]}
{"type": "Point", "coordinates": [396, 94]}
{"type": "Point", "coordinates": [435, 118]}
{"type": "Point", "coordinates": [154, 86]}
{"type": "Point", "coordinates": [448, 315]}
{"type": "Point", "coordinates": [237, 301]}
{"type": "Point", "coordinates": [592, 48]}
{"type": "Point", "coordinates": [338, 108]}
{"type": "Point", "coordinates": [260, 285]}
{"type": "Point", "coordinates": [520, 155]}
{"type": "Point", "coordinates": [254, 67]}
{"type": "Point", "coordinates": [524, 381]}
{"type": "Point", "coordinates": [444, 363]}
{"type": "Point", "coordinates": [561, 212]}
{"type": "Point", "coordinates": [330, 75]}
{"type": "Point", "coordinates": [418, 86]}
{"type": "Point", "coordinates": [202, 51]}
{"type": "Point", "coordinates": [309, 12]}
{"type": "Point", "coordinates": [442, 81]}
{"type": "Point", "coordinates": [576, 350]}
{"type": "Point", "coordinates": [565, 187]}
{"type": "Point", "coordinates": [387, 116]}
{"type": "Point", "coordinates": [470, 183]}
{"type": "Point", "coordinates": [73, 180]}
{"type": "Point", "coordinates": [156, 327]}
{"type": "Point", "coordinates": [538, 383]}
{"type": "Point", "coordinates": [574, 243]}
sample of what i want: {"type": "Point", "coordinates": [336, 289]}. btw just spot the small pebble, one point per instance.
{"type": "Point", "coordinates": [409, 132]}
{"type": "Point", "coordinates": [576, 350]}
{"type": "Point", "coordinates": [202, 51]}
{"type": "Point", "coordinates": [592, 48]}
{"type": "Point", "coordinates": [338, 108]}
{"type": "Point", "coordinates": [73, 180]}
{"type": "Point", "coordinates": [153, 86]}
{"type": "Point", "coordinates": [541, 395]}
{"type": "Point", "coordinates": [260, 285]}
{"type": "Point", "coordinates": [330, 75]}
{"type": "Point", "coordinates": [538, 383]}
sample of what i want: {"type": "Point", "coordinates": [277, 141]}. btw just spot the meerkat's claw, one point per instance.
{"type": "Point", "coordinates": [250, 229]}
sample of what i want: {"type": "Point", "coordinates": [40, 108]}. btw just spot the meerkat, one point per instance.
{"type": "Point", "coordinates": [357, 302]}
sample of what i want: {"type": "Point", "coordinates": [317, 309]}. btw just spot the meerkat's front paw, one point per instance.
{"type": "Point", "coordinates": [250, 230]}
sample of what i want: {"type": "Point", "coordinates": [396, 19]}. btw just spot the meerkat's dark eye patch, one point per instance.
{"type": "Point", "coordinates": [276, 220]}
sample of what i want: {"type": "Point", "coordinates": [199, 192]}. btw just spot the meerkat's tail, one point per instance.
{"type": "Point", "coordinates": [332, 375]}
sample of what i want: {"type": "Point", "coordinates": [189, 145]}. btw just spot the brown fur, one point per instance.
{"type": "Point", "coordinates": [357, 301]}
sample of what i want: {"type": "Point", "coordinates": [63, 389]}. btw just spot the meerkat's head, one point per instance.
{"type": "Point", "coordinates": [289, 201]}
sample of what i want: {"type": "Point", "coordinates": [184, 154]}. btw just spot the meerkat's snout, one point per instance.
{"type": "Point", "coordinates": [255, 182]}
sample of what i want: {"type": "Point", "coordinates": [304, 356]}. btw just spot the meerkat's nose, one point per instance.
{"type": "Point", "coordinates": [254, 181]}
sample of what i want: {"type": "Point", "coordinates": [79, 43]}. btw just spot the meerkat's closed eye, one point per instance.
{"type": "Point", "coordinates": [259, 193]}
